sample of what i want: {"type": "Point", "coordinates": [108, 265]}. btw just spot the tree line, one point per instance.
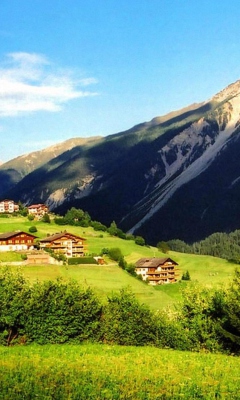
{"type": "Point", "coordinates": [60, 312]}
{"type": "Point", "coordinates": [220, 244]}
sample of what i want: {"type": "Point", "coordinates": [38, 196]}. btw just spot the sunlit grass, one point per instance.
{"type": "Point", "coordinates": [114, 372]}
{"type": "Point", "coordinates": [207, 270]}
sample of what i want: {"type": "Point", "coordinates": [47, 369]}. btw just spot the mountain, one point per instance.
{"type": "Point", "coordinates": [174, 177]}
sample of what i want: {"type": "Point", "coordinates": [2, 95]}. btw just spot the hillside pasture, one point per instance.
{"type": "Point", "coordinates": [206, 270]}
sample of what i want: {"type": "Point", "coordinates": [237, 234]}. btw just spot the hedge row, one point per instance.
{"type": "Point", "coordinates": [60, 312]}
{"type": "Point", "coordinates": [81, 260]}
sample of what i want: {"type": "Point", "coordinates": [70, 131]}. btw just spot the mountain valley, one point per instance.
{"type": "Point", "coordinates": [174, 177]}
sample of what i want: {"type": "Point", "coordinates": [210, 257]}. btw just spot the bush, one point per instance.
{"type": "Point", "coordinates": [140, 240]}
{"type": "Point", "coordinates": [127, 322]}
{"type": "Point", "coordinates": [48, 312]}
{"type": "Point", "coordinates": [32, 229]}
{"type": "Point", "coordinates": [81, 260]}
{"type": "Point", "coordinates": [61, 312]}
{"type": "Point", "coordinates": [115, 254]}
{"type": "Point", "coordinates": [14, 295]}
{"type": "Point", "coordinates": [45, 218]}
{"type": "Point", "coordinates": [3, 215]}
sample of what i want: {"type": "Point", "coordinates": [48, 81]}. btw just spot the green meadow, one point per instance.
{"type": "Point", "coordinates": [100, 371]}
{"type": "Point", "coordinates": [88, 371]}
{"type": "Point", "coordinates": [205, 270]}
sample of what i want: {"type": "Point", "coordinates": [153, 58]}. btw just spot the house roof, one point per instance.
{"type": "Point", "coordinates": [59, 235]}
{"type": "Point", "coordinates": [37, 206]}
{"type": "Point", "coordinates": [8, 235]}
{"type": "Point", "coordinates": [154, 262]}
{"type": "Point", "coordinates": [4, 200]}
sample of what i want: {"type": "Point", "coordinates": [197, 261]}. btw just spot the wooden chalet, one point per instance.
{"type": "Point", "coordinates": [64, 243]}
{"type": "Point", "coordinates": [17, 240]}
{"type": "Point", "coordinates": [157, 271]}
{"type": "Point", "coordinates": [8, 206]}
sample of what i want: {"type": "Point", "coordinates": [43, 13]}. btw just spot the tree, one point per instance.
{"type": "Point", "coordinates": [60, 312]}
{"type": "Point", "coordinates": [115, 253]}
{"type": "Point", "coordinates": [230, 321]}
{"type": "Point", "coordinates": [77, 217]}
{"type": "Point", "coordinates": [22, 209]}
{"type": "Point", "coordinates": [186, 276]}
{"type": "Point", "coordinates": [122, 263]}
{"type": "Point", "coordinates": [14, 295]}
{"type": "Point", "coordinates": [140, 240]}
{"type": "Point", "coordinates": [127, 322]}
{"type": "Point", "coordinates": [46, 218]}
{"type": "Point", "coordinates": [113, 229]}
{"type": "Point", "coordinates": [163, 247]}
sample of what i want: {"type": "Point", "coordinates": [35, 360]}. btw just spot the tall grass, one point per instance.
{"type": "Point", "coordinates": [114, 372]}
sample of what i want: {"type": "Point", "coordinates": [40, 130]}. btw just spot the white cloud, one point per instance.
{"type": "Point", "coordinates": [30, 83]}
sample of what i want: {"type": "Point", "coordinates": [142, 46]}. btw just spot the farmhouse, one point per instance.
{"type": "Point", "coordinates": [18, 240]}
{"type": "Point", "coordinates": [157, 271]}
{"type": "Point", "coordinates": [38, 210]}
{"type": "Point", "coordinates": [8, 206]}
{"type": "Point", "coordinates": [64, 243]}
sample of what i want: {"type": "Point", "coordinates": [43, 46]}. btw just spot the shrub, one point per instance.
{"type": "Point", "coordinates": [127, 322]}
{"type": "Point", "coordinates": [81, 260]}
{"type": "Point", "coordinates": [60, 312]}
{"type": "Point", "coordinates": [45, 218]}
{"type": "Point", "coordinates": [115, 253]}
{"type": "Point", "coordinates": [140, 240]}
{"type": "Point", "coordinates": [48, 312]}
{"type": "Point", "coordinates": [14, 294]}
{"type": "Point", "coordinates": [32, 229]}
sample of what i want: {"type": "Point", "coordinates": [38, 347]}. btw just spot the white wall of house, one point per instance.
{"type": "Point", "coordinates": [14, 247]}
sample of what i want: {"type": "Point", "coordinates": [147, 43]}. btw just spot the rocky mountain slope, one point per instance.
{"type": "Point", "coordinates": [177, 176]}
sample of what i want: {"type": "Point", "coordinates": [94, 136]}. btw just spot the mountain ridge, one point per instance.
{"type": "Point", "coordinates": [137, 176]}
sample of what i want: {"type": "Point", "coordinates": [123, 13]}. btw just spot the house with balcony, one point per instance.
{"type": "Point", "coordinates": [157, 271]}
{"type": "Point", "coordinates": [64, 243]}
{"type": "Point", "coordinates": [16, 241]}
{"type": "Point", "coordinates": [38, 210]}
{"type": "Point", "coordinates": [8, 206]}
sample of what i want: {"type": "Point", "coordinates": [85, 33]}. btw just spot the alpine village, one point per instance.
{"type": "Point", "coordinates": [119, 262]}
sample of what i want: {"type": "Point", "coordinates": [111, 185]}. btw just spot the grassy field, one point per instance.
{"type": "Point", "coordinates": [112, 372]}
{"type": "Point", "coordinates": [96, 372]}
{"type": "Point", "coordinates": [209, 271]}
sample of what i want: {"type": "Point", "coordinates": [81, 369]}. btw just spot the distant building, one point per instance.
{"type": "Point", "coordinates": [38, 210]}
{"type": "Point", "coordinates": [8, 206]}
{"type": "Point", "coordinates": [17, 240]}
{"type": "Point", "coordinates": [157, 271]}
{"type": "Point", "coordinates": [64, 243]}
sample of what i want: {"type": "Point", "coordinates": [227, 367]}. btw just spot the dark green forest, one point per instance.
{"type": "Point", "coordinates": [223, 245]}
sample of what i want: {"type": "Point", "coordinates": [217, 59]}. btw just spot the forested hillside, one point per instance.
{"type": "Point", "coordinates": [224, 245]}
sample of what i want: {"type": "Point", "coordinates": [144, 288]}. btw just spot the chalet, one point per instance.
{"type": "Point", "coordinates": [8, 206]}
{"type": "Point", "coordinates": [64, 243]}
{"type": "Point", "coordinates": [157, 271]}
{"type": "Point", "coordinates": [18, 240]}
{"type": "Point", "coordinates": [38, 210]}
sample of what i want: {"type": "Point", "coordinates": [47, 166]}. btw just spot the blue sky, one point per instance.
{"type": "Point", "coordinates": [77, 68]}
